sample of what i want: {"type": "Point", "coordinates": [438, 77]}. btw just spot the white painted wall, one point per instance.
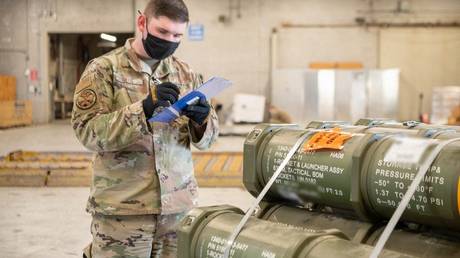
{"type": "Point", "coordinates": [427, 57]}
{"type": "Point", "coordinates": [238, 50]}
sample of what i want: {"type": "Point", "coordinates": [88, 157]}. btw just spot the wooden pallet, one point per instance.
{"type": "Point", "coordinates": [25, 168]}
{"type": "Point", "coordinates": [15, 113]}
{"type": "Point", "coordinates": [7, 87]}
{"type": "Point", "coordinates": [219, 169]}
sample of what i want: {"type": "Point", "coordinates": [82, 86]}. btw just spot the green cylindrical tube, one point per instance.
{"type": "Point", "coordinates": [391, 126]}
{"type": "Point", "coordinates": [203, 233]}
{"type": "Point", "coordinates": [435, 203]}
{"type": "Point", "coordinates": [356, 230]}
{"type": "Point", "coordinates": [406, 124]}
{"type": "Point", "coordinates": [354, 178]}
{"type": "Point", "coordinates": [323, 177]}
{"type": "Point", "coordinates": [424, 244]}
{"type": "Point", "coordinates": [417, 242]}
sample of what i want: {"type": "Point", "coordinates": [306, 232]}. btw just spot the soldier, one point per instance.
{"type": "Point", "coordinates": [143, 180]}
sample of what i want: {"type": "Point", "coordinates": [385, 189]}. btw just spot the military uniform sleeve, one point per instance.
{"type": "Point", "coordinates": [211, 130]}
{"type": "Point", "coordinates": [96, 124]}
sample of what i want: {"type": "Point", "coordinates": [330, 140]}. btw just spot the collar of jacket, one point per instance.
{"type": "Point", "coordinates": [164, 67]}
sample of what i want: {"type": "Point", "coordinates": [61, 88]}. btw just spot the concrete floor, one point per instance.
{"type": "Point", "coordinates": [59, 136]}
{"type": "Point", "coordinates": [51, 222]}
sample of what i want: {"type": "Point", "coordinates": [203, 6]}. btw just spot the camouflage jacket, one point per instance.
{"type": "Point", "coordinates": [138, 167]}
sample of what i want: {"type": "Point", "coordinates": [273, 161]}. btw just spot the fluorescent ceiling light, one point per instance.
{"type": "Point", "coordinates": [108, 37]}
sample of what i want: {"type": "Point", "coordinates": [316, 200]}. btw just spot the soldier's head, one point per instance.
{"type": "Point", "coordinates": [160, 28]}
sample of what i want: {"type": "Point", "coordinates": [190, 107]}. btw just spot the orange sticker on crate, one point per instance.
{"type": "Point", "coordinates": [334, 140]}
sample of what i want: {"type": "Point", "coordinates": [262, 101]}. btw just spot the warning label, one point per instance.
{"type": "Point", "coordinates": [332, 140]}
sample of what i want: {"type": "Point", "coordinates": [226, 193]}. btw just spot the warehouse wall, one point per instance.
{"type": "Point", "coordinates": [24, 42]}
{"type": "Point", "coordinates": [237, 49]}
{"type": "Point", "coordinates": [240, 49]}
{"type": "Point", "coordinates": [14, 42]}
{"type": "Point", "coordinates": [427, 58]}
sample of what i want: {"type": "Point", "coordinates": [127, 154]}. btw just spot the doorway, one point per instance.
{"type": "Point", "coordinates": [68, 56]}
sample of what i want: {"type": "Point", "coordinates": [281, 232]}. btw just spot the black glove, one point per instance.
{"type": "Point", "coordinates": [162, 95]}
{"type": "Point", "coordinates": [198, 112]}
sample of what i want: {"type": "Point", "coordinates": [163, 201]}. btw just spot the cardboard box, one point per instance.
{"type": "Point", "coordinates": [248, 108]}
{"type": "Point", "coordinates": [7, 88]}
{"type": "Point", "coordinates": [14, 113]}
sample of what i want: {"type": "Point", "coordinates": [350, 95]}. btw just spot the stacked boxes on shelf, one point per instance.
{"type": "Point", "coordinates": [444, 102]}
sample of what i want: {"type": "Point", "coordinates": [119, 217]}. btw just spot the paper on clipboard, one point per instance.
{"type": "Point", "coordinates": [207, 90]}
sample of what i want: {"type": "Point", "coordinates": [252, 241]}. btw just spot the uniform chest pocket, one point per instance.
{"type": "Point", "coordinates": [127, 87]}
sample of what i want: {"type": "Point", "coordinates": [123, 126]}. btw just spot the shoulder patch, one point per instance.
{"type": "Point", "coordinates": [86, 99]}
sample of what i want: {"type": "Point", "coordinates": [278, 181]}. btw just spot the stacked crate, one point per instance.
{"type": "Point", "coordinates": [13, 112]}
{"type": "Point", "coordinates": [445, 100]}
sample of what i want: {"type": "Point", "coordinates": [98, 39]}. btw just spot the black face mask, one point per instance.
{"type": "Point", "coordinates": [158, 48]}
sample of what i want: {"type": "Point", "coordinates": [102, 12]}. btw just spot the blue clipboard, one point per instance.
{"type": "Point", "coordinates": [207, 90]}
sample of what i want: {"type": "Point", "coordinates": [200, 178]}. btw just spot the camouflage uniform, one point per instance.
{"type": "Point", "coordinates": [139, 168]}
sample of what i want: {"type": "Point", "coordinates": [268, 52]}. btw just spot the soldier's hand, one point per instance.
{"type": "Point", "coordinates": [162, 95]}
{"type": "Point", "coordinates": [198, 112]}
{"type": "Point", "coordinates": [167, 93]}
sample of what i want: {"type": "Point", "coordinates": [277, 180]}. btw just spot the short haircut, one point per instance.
{"type": "Point", "coordinates": [175, 10]}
